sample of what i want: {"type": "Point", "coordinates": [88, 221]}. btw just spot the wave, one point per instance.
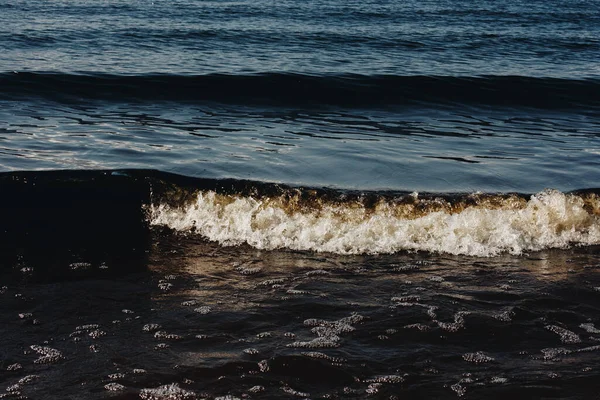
{"type": "Point", "coordinates": [286, 89]}
{"type": "Point", "coordinates": [61, 211]}
{"type": "Point", "coordinates": [384, 222]}
{"type": "Point", "coordinates": [488, 227]}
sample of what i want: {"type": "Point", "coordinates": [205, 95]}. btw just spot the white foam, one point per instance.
{"type": "Point", "coordinates": [566, 336]}
{"type": "Point", "coordinates": [550, 219]}
{"type": "Point", "coordinates": [386, 379]}
{"type": "Point", "coordinates": [167, 392]}
{"type": "Point", "coordinates": [590, 328]}
{"type": "Point", "coordinates": [114, 387]}
{"type": "Point", "coordinates": [478, 357]}
{"type": "Point", "coordinates": [47, 355]}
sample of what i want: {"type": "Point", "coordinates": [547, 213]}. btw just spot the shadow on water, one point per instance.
{"type": "Point", "coordinates": [56, 225]}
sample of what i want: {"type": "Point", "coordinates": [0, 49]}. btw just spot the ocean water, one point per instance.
{"type": "Point", "coordinates": [299, 199]}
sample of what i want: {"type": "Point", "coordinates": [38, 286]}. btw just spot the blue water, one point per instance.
{"type": "Point", "coordinates": [550, 38]}
{"type": "Point", "coordinates": [316, 93]}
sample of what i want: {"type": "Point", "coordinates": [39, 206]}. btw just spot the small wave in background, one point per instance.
{"type": "Point", "coordinates": [313, 91]}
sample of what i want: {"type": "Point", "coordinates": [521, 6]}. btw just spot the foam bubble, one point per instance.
{"type": "Point", "coordinates": [14, 367]}
{"type": "Point", "coordinates": [28, 379]}
{"type": "Point", "coordinates": [114, 387]}
{"type": "Point", "coordinates": [162, 335]}
{"type": "Point", "coordinates": [14, 389]}
{"type": "Point", "coordinates": [328, 332]}
{"type": "Point", "coordinates": [151, 327]}
{"type": "Point", "coordinates": [315, 354]}
{"type": "Point", "coordinates": [553, 353]}
{"type": "Point", "coordinates": [566, 336]}
{"type": "Point", "coordinates": [97, 333]}
{"type": "Point", "coordinates": [478, 357]}
{"type": "Point", "coordinates": [373, 388]}
{"type": "Point", "coordinates": [386, 379]}
{"type": "Point", "coordinates": [459, 322]}
{"type": "Point", "coordinates": [47, 355]}
{"type": "Point", "coordinates": [256, 389]}
{"type": "Point", "coordinates": [171, 392]}
{"type": "Point", "coordinates": [295, 392]}
{"type": "Point", "coordinates": [317, 343]}
{"type": "Point", "coordinates": [590, 328]}
{"type": "Point", "coordinates": [459, 389]}
{"type": "Point", "coordinates": [87, 327]}
{"type": "Point", "coordinates": [263, 366]}
{"type": "Point", "coordinates": [550, 219]}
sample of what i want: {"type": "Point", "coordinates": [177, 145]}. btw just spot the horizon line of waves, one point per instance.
{"type": "Point", "coordinates": [475, 225]}
{"type": "Point", "coordinates": [290, 89]}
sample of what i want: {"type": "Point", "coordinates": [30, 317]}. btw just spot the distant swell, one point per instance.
{"type": "Point", "coordinates": [306, 90]}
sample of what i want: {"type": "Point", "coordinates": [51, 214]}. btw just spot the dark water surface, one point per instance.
{"type": "Point", "coordinates": [299, 199]}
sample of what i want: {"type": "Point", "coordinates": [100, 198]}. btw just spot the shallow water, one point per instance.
{"type": "Point", "coordinates": [235, 321]}
{"type": "Point", "coordinates": [97, 302]}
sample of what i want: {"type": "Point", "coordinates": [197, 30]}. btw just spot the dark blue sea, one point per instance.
{"type": "Point", "coordinates": [299, 199]}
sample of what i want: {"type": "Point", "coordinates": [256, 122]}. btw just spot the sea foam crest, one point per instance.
{"type": "Point", "coordinates": [550, 219]}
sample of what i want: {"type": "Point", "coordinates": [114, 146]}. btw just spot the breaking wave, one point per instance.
{"type": "Point", "coordinates": [119, 208]}
{"type": "Point", "coordinates": [474, 225]}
